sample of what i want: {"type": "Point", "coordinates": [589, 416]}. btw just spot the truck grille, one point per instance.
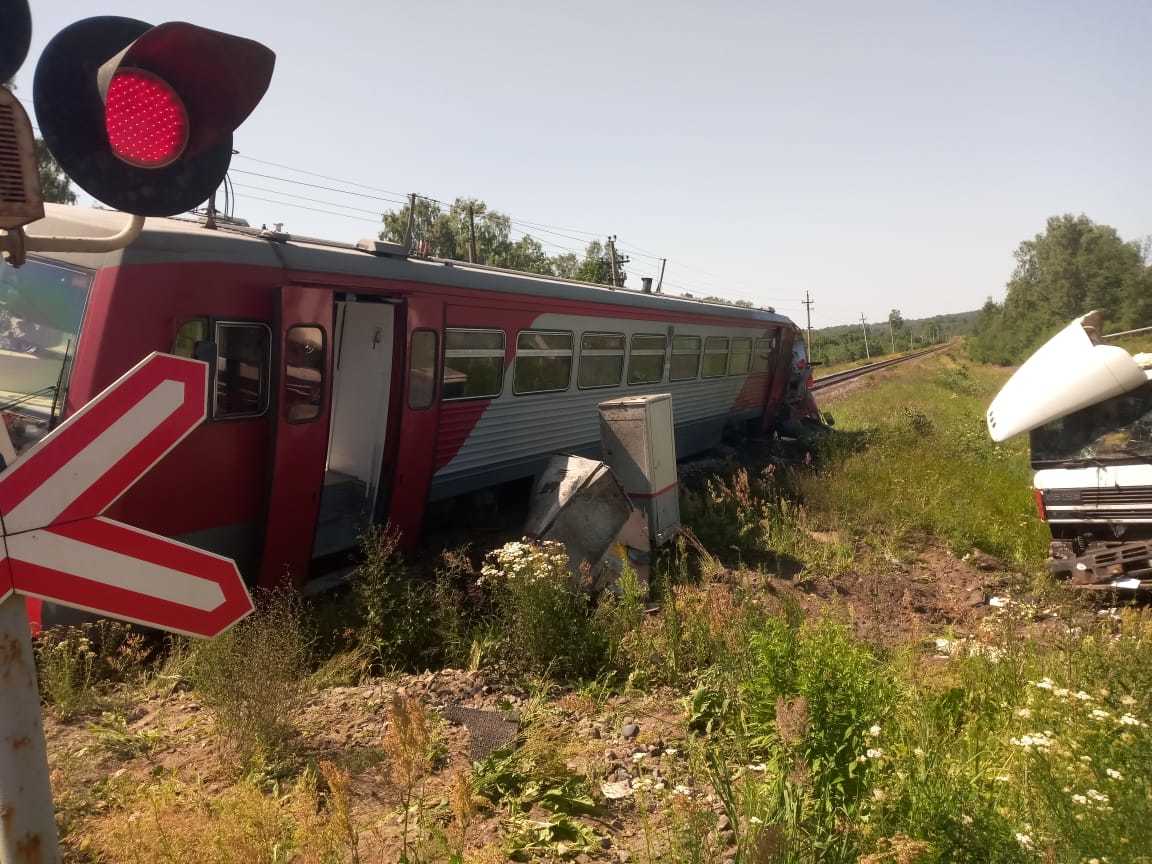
{"type": "Point", "coordinates": [1129, 503]}
{"type": "Point", "coordinates": [1113, 495]}
{"type": "Point", "coordinates": [1126, 514]}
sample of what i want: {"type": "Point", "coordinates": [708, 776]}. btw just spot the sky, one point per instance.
{"type": "Point", "coordinates": [877, 155]}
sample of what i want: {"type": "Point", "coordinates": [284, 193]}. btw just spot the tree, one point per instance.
{"type": "Point", "coordinates": [54, 183]}
{"type": "Point", "coordinates": [896, 320]}
{"type": "Point", "coordinates": [445, 234]}
{"type": "Point", "coordinates": [55, 186]}
{"type": "Point", "coordinates": [1073, 267]}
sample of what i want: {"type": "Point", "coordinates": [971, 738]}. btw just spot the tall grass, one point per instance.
{"type": "Point", "coordinates": [913, 456]}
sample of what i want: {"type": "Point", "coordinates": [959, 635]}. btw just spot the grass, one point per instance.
{"type": "Point", "coordinates": [913, 457]}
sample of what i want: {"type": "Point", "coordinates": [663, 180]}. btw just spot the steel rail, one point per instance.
{"type": "Point", "coordinates": [860, 371]}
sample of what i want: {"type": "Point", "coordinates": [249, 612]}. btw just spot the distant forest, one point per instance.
{"type": "Point", "coordinates": [845, 343]}
{"type": "Point", "coordinates": [1074, 266]}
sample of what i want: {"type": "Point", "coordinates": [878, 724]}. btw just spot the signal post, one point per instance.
{"type": "Point", "coordinates": [141, 117]}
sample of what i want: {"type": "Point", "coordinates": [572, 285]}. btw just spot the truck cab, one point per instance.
{"type": "Point", "coordinates": [1087, 408]}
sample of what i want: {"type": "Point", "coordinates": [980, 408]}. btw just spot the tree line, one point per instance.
{"type": "Point", "coordinates": [450, 231]}
{"type": "Point", "coordinates": [846, 342]}
{"type": "Point", "coordinates": [1072, 267]}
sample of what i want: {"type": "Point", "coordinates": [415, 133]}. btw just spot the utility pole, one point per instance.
{"type": "Point", "coordinates": [471, 234]}
{"type": "Point", "coordinates": [660, 281]}
{"type": "Point", "coordinates": [411, 222]}
{"type": "Point", "coordinates": [612, 257]}
{"type": "Point", "coordinates": [864, 327]}
{"type": "Point", "coordinates": [892, 334]}
{"type": "Point", "coordinates": [808, 301]}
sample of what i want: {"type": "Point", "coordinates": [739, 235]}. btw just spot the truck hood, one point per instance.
{"type": "Point", "coordinates": [1069, 372]}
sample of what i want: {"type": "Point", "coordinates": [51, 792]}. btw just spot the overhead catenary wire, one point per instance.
{"type": "Point", "coordinates": [721, 285]}
{"type": "Point", "coordinates": [312, 209]}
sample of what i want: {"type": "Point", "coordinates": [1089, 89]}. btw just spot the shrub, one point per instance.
{"type": "Point", "coordinates": [175, 823]}
{"type": "Point", "coordinates": [254, 677]}
{"type": "Point", "coordinates": [406, 622]}
{"type": "Point", "coordinates": [77, 663]}
{"type": "Point", "coordinates": [698, 627]}
{"type": "Point", "coordinates": [66, 663]}
{"type": "Point", "coordinates": [548, 625]}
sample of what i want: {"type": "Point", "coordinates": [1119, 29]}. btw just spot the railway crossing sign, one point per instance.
{"type": "Point", "coordinates": [59, 547]}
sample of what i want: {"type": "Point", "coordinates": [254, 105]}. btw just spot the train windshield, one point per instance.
{"type": "Point", "coordinates": [41, 307]}
{"type": "Point", "coordinates": [1116, 430]}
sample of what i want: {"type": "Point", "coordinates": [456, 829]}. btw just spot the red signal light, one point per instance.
{"type": "Point", "coordinates": [146, 120]}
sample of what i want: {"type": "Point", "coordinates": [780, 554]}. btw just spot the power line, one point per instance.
{"type": "Point", "coordinates": [375, 213]}
{"type": "Point", "coordinates": [321, 176]}
{"type": "Point", "coordinates": [313, 209]}
{"type": "Point", "coordinates": [396, 198]}
{"type": "Point", "coordinates": [318, 186]}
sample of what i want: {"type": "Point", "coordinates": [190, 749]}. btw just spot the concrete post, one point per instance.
{"type": "Point", "coordinates": [27, 817]}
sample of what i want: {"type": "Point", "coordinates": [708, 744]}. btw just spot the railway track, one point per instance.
{"type": "Point", "coordinates": [861, 371]}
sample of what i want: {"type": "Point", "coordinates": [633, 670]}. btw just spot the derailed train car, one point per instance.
{"type": "Point", "coordinates": [355, 384]}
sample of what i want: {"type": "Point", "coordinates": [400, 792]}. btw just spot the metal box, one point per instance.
{"type": "Point", "coordinates": [639, 443]}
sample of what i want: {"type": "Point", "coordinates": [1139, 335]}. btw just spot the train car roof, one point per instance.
{"type": "Point", "coordinates": [172, 240]}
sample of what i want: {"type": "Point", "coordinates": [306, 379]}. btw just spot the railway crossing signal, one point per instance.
{"type": "Point", "coordinates": [141, 117]}
{"type": "Point", "coordinates": [61, 549]}
{"type": "Point", "coordinates": [57, 546]}
{"type": "Point", "coordinates": [15, 36]}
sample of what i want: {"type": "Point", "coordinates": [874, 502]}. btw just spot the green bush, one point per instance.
{"type": "Point", "coordinates": [547, 624]}
{"type": "Point", "coordinates": [254, 677]}
{"type": "Point", "coordinates": [78, 664]}
{"type": "Point", "coordinates": [397, 612]}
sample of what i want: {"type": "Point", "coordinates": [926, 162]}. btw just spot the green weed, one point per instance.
{"type": "Point", "coordinates": [255, 676]}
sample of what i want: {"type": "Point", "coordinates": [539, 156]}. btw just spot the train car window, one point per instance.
{"type": "Point", "coordinates": [646, 363]}
{"type": "Point", "coordinates": [190, 332]}
{"type": "Point", "coordinates": [715, 356]}
{"type": "Point", "coordinates": [601, 360]}
{"type": "Point", "coordinates": [762, 354]}
{"type": "Point", "coordinates": [422, 369]}
{"type": "Point", "coordinates": [242, 362]}
{"type": "Point", "coordinates": [543, 362]}
{"type": "Point", "coordinates": [304, 355]}
{"type": "Point", "coordinates": [685, 358]}
{"type": "Point", "coordinates": [473, 364]}
{"type": "Point", "coordinates": [741, 357]}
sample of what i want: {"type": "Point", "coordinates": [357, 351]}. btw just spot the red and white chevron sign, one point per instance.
{"type": "Point", "coordinates": [58, 546]}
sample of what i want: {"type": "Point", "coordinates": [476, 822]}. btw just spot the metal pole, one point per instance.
{"type": "Point", "coordinates": [471, 235]}
{"type": "Point", "coordinates": [612, 257]}
{"type": "Point", "coordinates": [808, 306]}
{"type": "Point", "coordinates": [27, 817]}
{"type": "Point", "coordinates": [411, 222]}
{"type": "Point", "coordinates": [660, 281]}
{"type": "Point", "coordinates": [864, 327]}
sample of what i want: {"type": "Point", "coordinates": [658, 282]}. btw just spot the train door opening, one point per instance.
{"type": "Point", "coordinates": [362, 378]}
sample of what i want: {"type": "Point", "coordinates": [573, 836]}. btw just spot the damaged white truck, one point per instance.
{"type": "Point", "coordinates": [1087, 406]}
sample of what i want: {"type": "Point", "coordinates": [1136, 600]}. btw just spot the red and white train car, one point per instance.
{"type": "Point", "coordinates": [353, 384]}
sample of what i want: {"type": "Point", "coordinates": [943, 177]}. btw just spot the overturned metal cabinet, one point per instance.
{"type": "Point", "coordinates": [580, 503]}
{"type": "Point", "coordinates": [639, 442]}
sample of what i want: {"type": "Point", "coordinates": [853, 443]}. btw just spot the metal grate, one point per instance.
{"type": "Point", "coordinates": [1117, 495]}
{"type": "Point", "coordinates": [489, 730]}
{"type": "Point", "coordinates": [12, 187]}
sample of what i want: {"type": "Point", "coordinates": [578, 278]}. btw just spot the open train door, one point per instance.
{"type": "Point", "coordinates": [303, 336]}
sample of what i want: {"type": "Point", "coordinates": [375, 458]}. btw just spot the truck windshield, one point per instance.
{"type": "Point", "coordinates": [1115, 430]}
{"type": "Point", "coordinates": [41, 307]}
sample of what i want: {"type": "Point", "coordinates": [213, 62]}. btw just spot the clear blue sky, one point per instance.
{"type": "Point", "coordinates": [876, 154]}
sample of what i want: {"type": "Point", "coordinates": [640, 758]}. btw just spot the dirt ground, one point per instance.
{"type": "Point", "coordinates": [924, 598]}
